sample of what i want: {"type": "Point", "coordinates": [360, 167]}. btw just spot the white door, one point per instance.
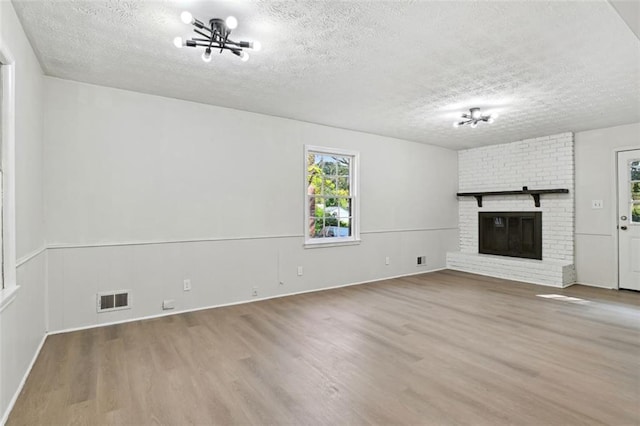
{"type": "Point", "coordinates": [629, 219]}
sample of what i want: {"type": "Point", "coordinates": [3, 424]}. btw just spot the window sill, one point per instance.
{"type": "Point", "coordinates": [323, 244]}
{"type": "Point", "coordinates": [7, 296]}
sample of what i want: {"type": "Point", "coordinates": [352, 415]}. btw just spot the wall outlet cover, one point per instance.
{"type": "Point", "coordinates": [168, 304]}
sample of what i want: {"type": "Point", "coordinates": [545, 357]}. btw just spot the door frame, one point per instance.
{"type": "Point", "coordinates": [615, 210]}
{"type": "Point", "coordinates": [7, 68]}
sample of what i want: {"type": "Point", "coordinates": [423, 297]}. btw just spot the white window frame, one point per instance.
{"type": "Point", "coordinates": [9, 287]}
{"type": "Point", "coordinates": [354, 189]}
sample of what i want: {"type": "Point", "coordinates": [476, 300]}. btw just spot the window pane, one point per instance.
{"type": "Point", "coordinates": [332, 202]}
{"type": "Point", "coordinates": [635, 213]}
{"type": "Point", "coordinates": [330, 166]}
{"type": "Point", "coordinates": [343, 186]}
{"type": "Point", "coordinates": [329, 186]}
{"type": "Point", "coordinates": [635, 170]}
{"type": "Point", "coordinates": [316, 206]}
{"type": "Point", "coordinates": [343, 166]}
{"type": "Point", "coordinates": [345, 222]}
{"type": "Point", "coordinates": [316, 227]}
{"type": "Point", "coordinates": [635, 191]}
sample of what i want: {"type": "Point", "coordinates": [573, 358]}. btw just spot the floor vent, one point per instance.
{"type": "Point", "coordinates": [113, 301]}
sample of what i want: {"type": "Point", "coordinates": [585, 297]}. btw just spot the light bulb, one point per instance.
{"type": "Point", "coordinates": [231, 22]}
{"type": "Point", "coordinates": [187, 17]}
{"type": "Point", "coordinates": [474, 125]}
{"type": "Point", "coordinates": [490, 120]}
{"type": "Point", "coordinates": [475, 113]}
{"type": "Point", "coordinates": [456, 124]}
{"type": "Point", "coordinates": [244, 56]}
{"type": "Point", "coordinates": [177, 42]}
{"type": "Point", "coordinates": [206, 56]}
{"type": "Point", "coordinates": [256, 46]}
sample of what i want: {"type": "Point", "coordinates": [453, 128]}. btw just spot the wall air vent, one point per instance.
{"type": "Point", "coordinates": [113, 301]}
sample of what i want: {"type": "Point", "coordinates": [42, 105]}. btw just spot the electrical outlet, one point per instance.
{"type": "Point", "coordinates": [597, 204]}
{"type": "Point", "coordinates": [186, 285]}
{"type": "Point", "coordinates": [386, 260]}
{"type": "Point", "coordinates": [421, 261]}
{"type": "Point", "coordinates": [254, 291]}
{"type": "Point", "coordinates": [299, 271]}
{"type": "Point", "coordinates": [168, 304]}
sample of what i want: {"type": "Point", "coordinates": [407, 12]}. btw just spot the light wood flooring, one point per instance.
{"type": "Point", "coordinates": [438, 349]}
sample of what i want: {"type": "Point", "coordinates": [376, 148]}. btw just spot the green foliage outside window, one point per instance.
{"type": "Point", "coordinates": [328, 179]}
{"type": "Point", "coordinates": [635, 213]}
{"type": "Point", "coordinates": [635, 191]}
{"type": "Point", "coordinates": [635, 170]}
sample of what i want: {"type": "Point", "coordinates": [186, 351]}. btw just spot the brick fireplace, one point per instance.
{"type": "Point", "coordinates": [545, 162]}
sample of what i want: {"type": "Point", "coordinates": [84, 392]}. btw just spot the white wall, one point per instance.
{"type": "Point", "coordinates": [22, 323]}
{"type": "Point", "coordinates": [124, 167]}
{"type": "Point", "coordinates": [596, 251]}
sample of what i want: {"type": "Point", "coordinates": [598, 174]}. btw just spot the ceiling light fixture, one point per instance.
{"type": "Point", "coordinates": [215, 36]}
{"type": "Point", "coordinates": [474, 117]}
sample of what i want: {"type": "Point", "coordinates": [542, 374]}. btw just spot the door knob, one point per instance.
{"type": "Point", "coordinates": [624, 228]}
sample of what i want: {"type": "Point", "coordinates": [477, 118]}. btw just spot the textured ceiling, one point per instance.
{"type": "Point", "coordinates": [405, 69]}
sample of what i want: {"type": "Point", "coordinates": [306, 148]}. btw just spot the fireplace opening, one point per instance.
{"type": "Point", "coordinates": [515, 234]}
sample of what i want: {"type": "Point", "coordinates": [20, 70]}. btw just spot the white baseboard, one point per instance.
{"type": "Point", "coordinates": [603, 286]}
{"type": "Point", "coordinates": [5, 416]}
{"type": "Point", "coordinates": [241, 302]}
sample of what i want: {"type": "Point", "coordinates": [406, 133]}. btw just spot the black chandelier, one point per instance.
{"type": "Point", "coordinates": [474, 117]}
{"type": "Point", "coordinates": [215, 36]}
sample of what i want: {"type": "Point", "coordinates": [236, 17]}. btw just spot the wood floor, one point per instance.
{"type": "Point", "coordinates": [439, 349]}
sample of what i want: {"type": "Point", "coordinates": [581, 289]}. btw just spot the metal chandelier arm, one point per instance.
{"type": "Point", "coordinates": [473, 118]}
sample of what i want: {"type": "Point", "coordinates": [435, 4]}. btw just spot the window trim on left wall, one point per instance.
{"type": "Point", "coordinates": [355, 195]}
{"type": "Point", "coordinates": [8, 237]}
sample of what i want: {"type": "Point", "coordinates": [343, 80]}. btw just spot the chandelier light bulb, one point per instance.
{"type": "Point", "coordinates": [187, 17]}
{"type": "Point", "coordinates": [475, 113]}
{"type": "Point", "coordinates": [490, 120]}
{"type": "Point", "coordinates": [474, 125]}
{"type": "Point", "coordinates": [456, 124]}
{"type": "Point", "coordinates": [231, 22]}
{"type": "Point", "coordinates": [256, 46]}
{"type": "Point", "coordinates": [206, 56]}
{"type": "Point", "coordinates": [177, 42]}
{"type": "Point", "coordinates": [244, 56]}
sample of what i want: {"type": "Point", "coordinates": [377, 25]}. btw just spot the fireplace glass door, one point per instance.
{"type": "Point", "coordinates": [515, 234]}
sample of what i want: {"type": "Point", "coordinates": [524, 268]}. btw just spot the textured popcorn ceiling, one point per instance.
{"type": "Point", "coordinates": [397, 68]}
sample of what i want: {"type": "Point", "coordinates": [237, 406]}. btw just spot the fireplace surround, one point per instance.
{"type": "Point", "coordinates": [491, 173]}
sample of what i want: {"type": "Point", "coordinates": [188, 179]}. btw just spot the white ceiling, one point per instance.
{"type": "Point", "coordinates": [405, 69]}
